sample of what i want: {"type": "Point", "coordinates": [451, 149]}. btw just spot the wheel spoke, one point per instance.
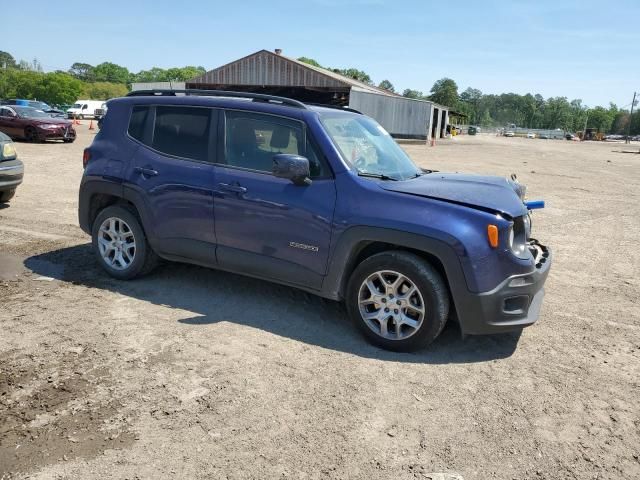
{"type": "Point", "coordinates": [104, 244]}
{"type": "Point", "coordinates": [406, 295]}
{"type": "Point", "coordinates": [372, 288]}
{"type": "Point", "coordinates": [372, 315]}
{"type": "Point", "coordinates": [394, 285]}
{"type": "Point", "coordinates": [405, 320]}
{"type": "Point", "coordinates": [416, 308]}
{"type": "Point", "coordinates": [373, 300]}
{"type": "Point", "coordinates": [383, 325]}
{"type": "Point", "coordinates": [127, 257]}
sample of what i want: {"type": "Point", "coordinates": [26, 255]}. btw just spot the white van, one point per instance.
{"type": "Point", "coordinates": [84, 109]}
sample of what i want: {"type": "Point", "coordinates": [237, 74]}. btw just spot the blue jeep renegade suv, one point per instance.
{"type": "Point", "coordinates": [318, 198]}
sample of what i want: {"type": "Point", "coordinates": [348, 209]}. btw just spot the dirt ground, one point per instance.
{"type": "Point", "coordinates": [193, 373]}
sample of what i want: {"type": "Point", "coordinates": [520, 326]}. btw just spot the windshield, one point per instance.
{"type": "Point", "coordinates": [76, 105]}
{"type": "Point", "coordinates": [39, 105]}
{"type": "Point", "coordinates": [368, 147]}
{"type": "Point", "coordinates": [29, 112]}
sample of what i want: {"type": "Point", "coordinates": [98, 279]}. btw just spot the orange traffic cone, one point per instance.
{"type": "Point", "coordinates": [91, 125]}
{"type": "Point", "coordinates": [75, 120]}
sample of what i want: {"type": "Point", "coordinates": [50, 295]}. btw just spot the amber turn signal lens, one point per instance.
{"type": "Point", "coordinates": [492, 234]}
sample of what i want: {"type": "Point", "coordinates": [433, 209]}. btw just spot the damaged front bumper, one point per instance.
{"type": "Point", "coordinates": [514, 304]}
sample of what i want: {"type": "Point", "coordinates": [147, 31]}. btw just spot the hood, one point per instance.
{"type": "Point", "coordinates": [493, 194]}
{"type": "Point", "coordinates": [49, 120]}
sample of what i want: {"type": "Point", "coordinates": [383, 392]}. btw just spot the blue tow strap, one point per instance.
{"type": "Point", "coordinates": [534, 204]}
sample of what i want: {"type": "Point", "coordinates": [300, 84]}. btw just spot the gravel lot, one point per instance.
{"type": "Point", "coordinates": [193, 373]}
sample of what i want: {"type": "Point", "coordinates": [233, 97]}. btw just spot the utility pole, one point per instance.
{"type": "Point", "coordinates": [633, 102]}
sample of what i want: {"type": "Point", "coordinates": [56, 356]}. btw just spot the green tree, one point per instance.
{"type": "Point", "coordinates": [58, 88]}
{"type": "Point", "coordinates": [417, 94]}
{"type": "Point", "coordinates": [7, 60]}
{"type": "Point", "coordinates": [55, 88]}
{"type": "Point", "coordinates": [104, 90]}
{"type": "Point", "coordinates": [309, 61]}
{"type": "Point", "coordinates": [355, 74]}
{"type": "Point", "coordinates": [110, 72]}
{"type": "Point", "coordinates": [445, 92]}
{"type": "Point", "coordinates": [557, 114]}
{"type": "Point", "coordinates": [386, 85]}
{"type": "Point", "coordinates": [185, 73]}
{"type": "Point", "coordinates": [82, 71]}
{"type": "Point", "coordinates": [470, 99]}
{"type": "Point", "coordinates": [620, 122]}
{"type": "Point", "coordinates": [601, 119]}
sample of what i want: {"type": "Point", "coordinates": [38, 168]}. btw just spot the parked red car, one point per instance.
{"type": "Point", "coordinates": [34, 125]}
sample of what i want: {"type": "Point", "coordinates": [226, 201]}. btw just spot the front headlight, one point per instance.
{"type": "Point", "coordinates": [48, 126]}
{"type": "Point", "coordinates": [518, 235]}
{"type": "Point", "coordinates": [9, 151]}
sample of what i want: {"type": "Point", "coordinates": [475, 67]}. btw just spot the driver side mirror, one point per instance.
{"type": "Point", "coordinates": [292, 167]}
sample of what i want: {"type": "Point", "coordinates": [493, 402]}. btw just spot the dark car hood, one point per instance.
{"type": "Point", "coordinates": [493, 194]}
{"type": "Point", "coordinates": [48, 120]}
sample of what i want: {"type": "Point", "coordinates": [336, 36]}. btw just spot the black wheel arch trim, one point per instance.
{"type": "Point", "coordinates": [342, 263]}
{"type": "Point", "coordinates": [91, 186]}
{"type": "Point", "coordinates": [353, 240]}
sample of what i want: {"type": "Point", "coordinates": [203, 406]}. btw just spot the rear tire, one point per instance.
{"type": "Point", "coordinates": [121, 245]}
{"type": "Point", "coordinates": [7, 195]}
{"type": "Point", "coordinates": [31, 135]}
{"type": "Point", "coordinates": [398, 301]}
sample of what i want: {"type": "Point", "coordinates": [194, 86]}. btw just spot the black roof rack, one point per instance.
{"type": "Point", "coordinates": [337, 107]}
{"type": "Point", "coordinates": [256, 97]}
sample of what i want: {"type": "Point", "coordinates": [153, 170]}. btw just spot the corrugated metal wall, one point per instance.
{"type": "Point", "coordinates": [266, 69]}
{"type": "Point", "coordinates": [158, 86]}
{"type": "Point", "coordinates": [401, 117]}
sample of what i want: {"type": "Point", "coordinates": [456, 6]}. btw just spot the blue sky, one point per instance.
{"type": "Point", "coordinates": [578, 49]}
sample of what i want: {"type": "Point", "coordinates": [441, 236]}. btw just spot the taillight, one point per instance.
{"type": "Point", "coordinates": [86, 156]}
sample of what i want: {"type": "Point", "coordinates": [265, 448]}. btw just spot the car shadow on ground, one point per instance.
{"type": "Point", "coordinates": [213, 296]}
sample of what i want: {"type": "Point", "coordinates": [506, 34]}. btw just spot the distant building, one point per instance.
{"type": "Point", "coordinates": [276, 74]}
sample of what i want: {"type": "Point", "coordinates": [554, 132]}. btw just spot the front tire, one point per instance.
{"type": "Point", "coordinates": [398, 301]}
{"type": "Point", "coordinates": [7, 195]}
{"type": "Point", "coordinates": [121, 245]}
{"type": "Point", "coordinates": [31, 135]}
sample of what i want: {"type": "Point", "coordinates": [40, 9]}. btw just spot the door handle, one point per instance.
{"type": "Point", "coordinates": [147, 172]}
{"type": "Point", "coordinates": [232, 188]}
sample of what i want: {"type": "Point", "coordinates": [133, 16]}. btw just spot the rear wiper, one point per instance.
{"type": "Point", "coordinates": [381, 176]}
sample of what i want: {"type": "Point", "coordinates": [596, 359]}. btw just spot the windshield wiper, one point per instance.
{"type": "Point", "coordinates": [381, 176]}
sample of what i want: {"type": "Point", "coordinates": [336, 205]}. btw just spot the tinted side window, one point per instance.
{"type": "Point", "coordinates": [183, 132]}
{"type": "Point", "coordinates": [251, 141]}
{"type": "Point", "coordinates": [137, 122]}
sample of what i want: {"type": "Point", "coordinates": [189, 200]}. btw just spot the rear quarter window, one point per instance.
{"type": "Point", "coordinates": [137, 122]}
{"type": "Point", "coordinates": [182, 132]}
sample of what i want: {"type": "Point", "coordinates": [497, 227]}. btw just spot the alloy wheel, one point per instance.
{"type": "Point", "coordinates": [116, 243]}
{"type": "Point", "coordinates": [391, 305]}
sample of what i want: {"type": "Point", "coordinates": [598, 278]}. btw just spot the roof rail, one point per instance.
{"type": "Point", "coordinates": [336, 107]}
{"type": "Point", "coordinates": [256, 97]}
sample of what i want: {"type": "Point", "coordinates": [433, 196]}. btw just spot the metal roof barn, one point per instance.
{"type": "Point", "coordinates": [276, 74]}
